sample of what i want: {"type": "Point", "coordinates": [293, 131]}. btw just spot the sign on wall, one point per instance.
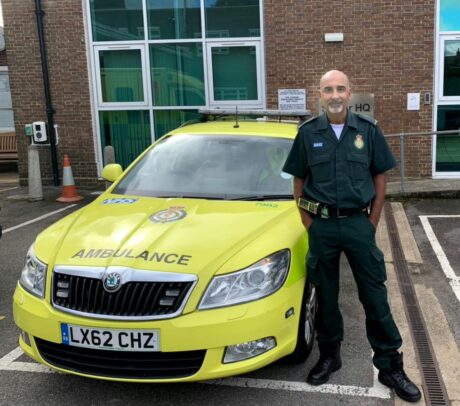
{"type": "Point", "coordinates": [292, 99]}
{"type": "Point", "coordinates": [361, 103]}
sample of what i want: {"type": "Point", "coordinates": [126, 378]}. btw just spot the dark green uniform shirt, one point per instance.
{"type": "Point", "coordinates": [340, 172]}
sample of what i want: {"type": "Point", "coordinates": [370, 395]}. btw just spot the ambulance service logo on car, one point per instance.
{"type": "Point", "coordinates": [112, 282]}
{"type": "Point", "coordinates": [169, 215]}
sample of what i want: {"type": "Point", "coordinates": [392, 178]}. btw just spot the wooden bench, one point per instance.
{"type": "Point", "coordinates": [8, 147]}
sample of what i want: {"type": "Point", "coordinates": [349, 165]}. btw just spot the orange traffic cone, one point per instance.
{"type": "Point", "coordinates": [69, 190]}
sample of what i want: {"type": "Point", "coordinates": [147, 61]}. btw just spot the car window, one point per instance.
{"type": "Point", "coordinates": [214, 166]}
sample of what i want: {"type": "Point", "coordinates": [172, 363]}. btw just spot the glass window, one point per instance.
{"type": "Point", "coordinates": [216, 166]}
{"type": "Point", "coordinates": [5, 91]}
{"type": "Point", "coordinates": [448, 146]}
{"type": "Point", "coordinates": [167, 120]}
{"type": "Point", "coordinates": [175, 19]}
{"type": "Point", "coordinates": [451, 68]}
{"type": "Point", "coordinates": [121, 76]}
{"type": "Point", "coordinates": [127, 131]}
{"type": "Point", "coordinates": [6, 119]}
{"type": "Point", "coordinates": [234, 71]}
{"type": "Point", "coordinates": [6, 107]}
{"type": "Point", "coordinates": [232, 18]}
{"type": "Point", "coordinates": [177, 75]}
{"type": "Point", "coordinates": [117, 20]}
{"type": "Point", "coordinates": [450, 15]}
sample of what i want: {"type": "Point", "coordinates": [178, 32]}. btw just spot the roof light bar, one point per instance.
{"type": "Point", "coordinates": [268, 113]}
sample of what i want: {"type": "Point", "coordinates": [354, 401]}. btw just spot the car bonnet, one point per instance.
{"type": "Point", "coordinates": [171, 235]}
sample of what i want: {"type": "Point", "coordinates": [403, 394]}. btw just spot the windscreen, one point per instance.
{"type": "Point", "coordinates": [211, 166]}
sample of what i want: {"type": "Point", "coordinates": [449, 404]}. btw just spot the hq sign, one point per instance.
{"type": "Point", "coordinates": [361, 103]}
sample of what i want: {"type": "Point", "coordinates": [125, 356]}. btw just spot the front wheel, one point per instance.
{"type": "Point", "coordinates": [306, 331]}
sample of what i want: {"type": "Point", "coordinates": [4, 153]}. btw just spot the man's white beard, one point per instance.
{"type": "Point", "coordinates": [335, 109]}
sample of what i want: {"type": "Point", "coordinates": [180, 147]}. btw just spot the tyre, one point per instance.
{"type": "Point", "coordinates": [306, 331]}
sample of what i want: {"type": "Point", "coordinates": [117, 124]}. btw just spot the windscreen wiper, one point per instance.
{"type": "Point", "coordinates": [190, 197]}
{"type": "Point", "coordinates": [264, 197]}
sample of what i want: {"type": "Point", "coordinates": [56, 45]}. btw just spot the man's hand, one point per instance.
{"type": "Point", "coordinates": [374, 221]}
{"type": "Point", "coordinates": [306, 218]}
{"type": "Point", "coordinates": [377, 204]}
{"type": "Point", "coordinates": [298, 191]}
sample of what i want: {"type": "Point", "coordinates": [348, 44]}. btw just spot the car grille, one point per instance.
{"type": "Point", "coordinates": [116, 364]}
{"type": "Point", "coordinates": [133, 300]}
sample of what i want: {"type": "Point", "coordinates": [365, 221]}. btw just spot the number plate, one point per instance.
{"type": "Point", "coordinates": [109, 339]}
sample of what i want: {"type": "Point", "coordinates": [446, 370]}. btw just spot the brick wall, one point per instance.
{"type": "Point", "coordinates": [388, 50]}
{"type": "Point", "coordinates": [67, 62]}
{"type": "Point", "coordinates": [3, 61]}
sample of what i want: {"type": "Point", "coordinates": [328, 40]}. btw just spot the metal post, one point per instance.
{"type": "Point", "coordinates": [35, 178]}
{"type": "Point", "coordinates": [401, 161]}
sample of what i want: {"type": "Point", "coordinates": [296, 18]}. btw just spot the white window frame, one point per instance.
{"type": "Point", "coordinates": [440, 100]}
{"type": "Point", "coordinates": [144, 67]}
{"type": "Point", "coordinates": [256, 103]}
{"type": "Point", "coordinates": [94, 72]}
{"type": "Point", "coordinates": [442, 43]}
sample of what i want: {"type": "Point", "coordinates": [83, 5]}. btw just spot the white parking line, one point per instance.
{"type": "Point", "coordinates": [7, 230]}
{"type": "Point", "coordinates": [9, 363]}
{"type": "Point", "coordinates": [10, 188]}
{"type": "Point", "coordinates": [376, 391]}
{"type": "Point", "coordinates": [454, 280]}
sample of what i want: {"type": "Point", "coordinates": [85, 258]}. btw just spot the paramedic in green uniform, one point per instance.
{"type": "Point", "coordinates": [338, 161]}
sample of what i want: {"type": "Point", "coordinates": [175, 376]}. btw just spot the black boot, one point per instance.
{"type": "Point", "coordinates": [397, 379]}
{"type": "Point", "coordinates": [329, 361]}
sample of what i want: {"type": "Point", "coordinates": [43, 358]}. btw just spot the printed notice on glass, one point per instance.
{"type": "Point", "coordinates": [413, 101]}
{"type": "Point", "coordinates": [292, 99]}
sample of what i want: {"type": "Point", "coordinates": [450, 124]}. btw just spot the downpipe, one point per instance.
{"type": "Point", "coordinates": [49, 106]}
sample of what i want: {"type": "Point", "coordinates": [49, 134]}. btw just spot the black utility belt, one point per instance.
{"type": "Point", "coordinates": [324, 211]}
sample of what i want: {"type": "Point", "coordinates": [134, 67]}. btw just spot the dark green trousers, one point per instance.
{"type": "Point", "coordinates": [355, 236]}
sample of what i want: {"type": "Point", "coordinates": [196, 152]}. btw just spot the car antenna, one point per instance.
{"type": "Point", "coordinates": [236, 118]}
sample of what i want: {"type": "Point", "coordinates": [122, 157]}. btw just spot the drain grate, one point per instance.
{"type": "Point", "coordinates": [433, 385]}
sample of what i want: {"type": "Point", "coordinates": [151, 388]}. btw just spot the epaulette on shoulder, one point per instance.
{"type": "Point", "coordinates": [367, 118]}
{"type": "Point", "coordinates": [308, 121]}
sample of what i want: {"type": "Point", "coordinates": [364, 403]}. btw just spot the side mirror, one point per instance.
{"type": "Point", "coordinates": [112, 172]}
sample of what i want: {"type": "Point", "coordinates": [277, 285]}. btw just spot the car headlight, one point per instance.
{"type": "Point", "coordinates": [33, 274]}
{"type": "Point", "coordinates": [259, 280]}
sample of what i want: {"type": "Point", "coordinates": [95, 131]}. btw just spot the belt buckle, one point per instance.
{"type": "Point", "coordinates": [312, 207]}
{"type": "Point", "coordinates": [325, 213]}
{"type": "Point", "coordinates": [307, 205]}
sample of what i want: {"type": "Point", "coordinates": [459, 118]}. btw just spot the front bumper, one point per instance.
{"type": "Point", "coordinates": [209, 330]}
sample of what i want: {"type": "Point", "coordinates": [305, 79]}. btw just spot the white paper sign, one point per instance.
{"type": "Point", "coordinates": [292, 99]}
{"type": "Point", "coordinates": [413, 101]}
